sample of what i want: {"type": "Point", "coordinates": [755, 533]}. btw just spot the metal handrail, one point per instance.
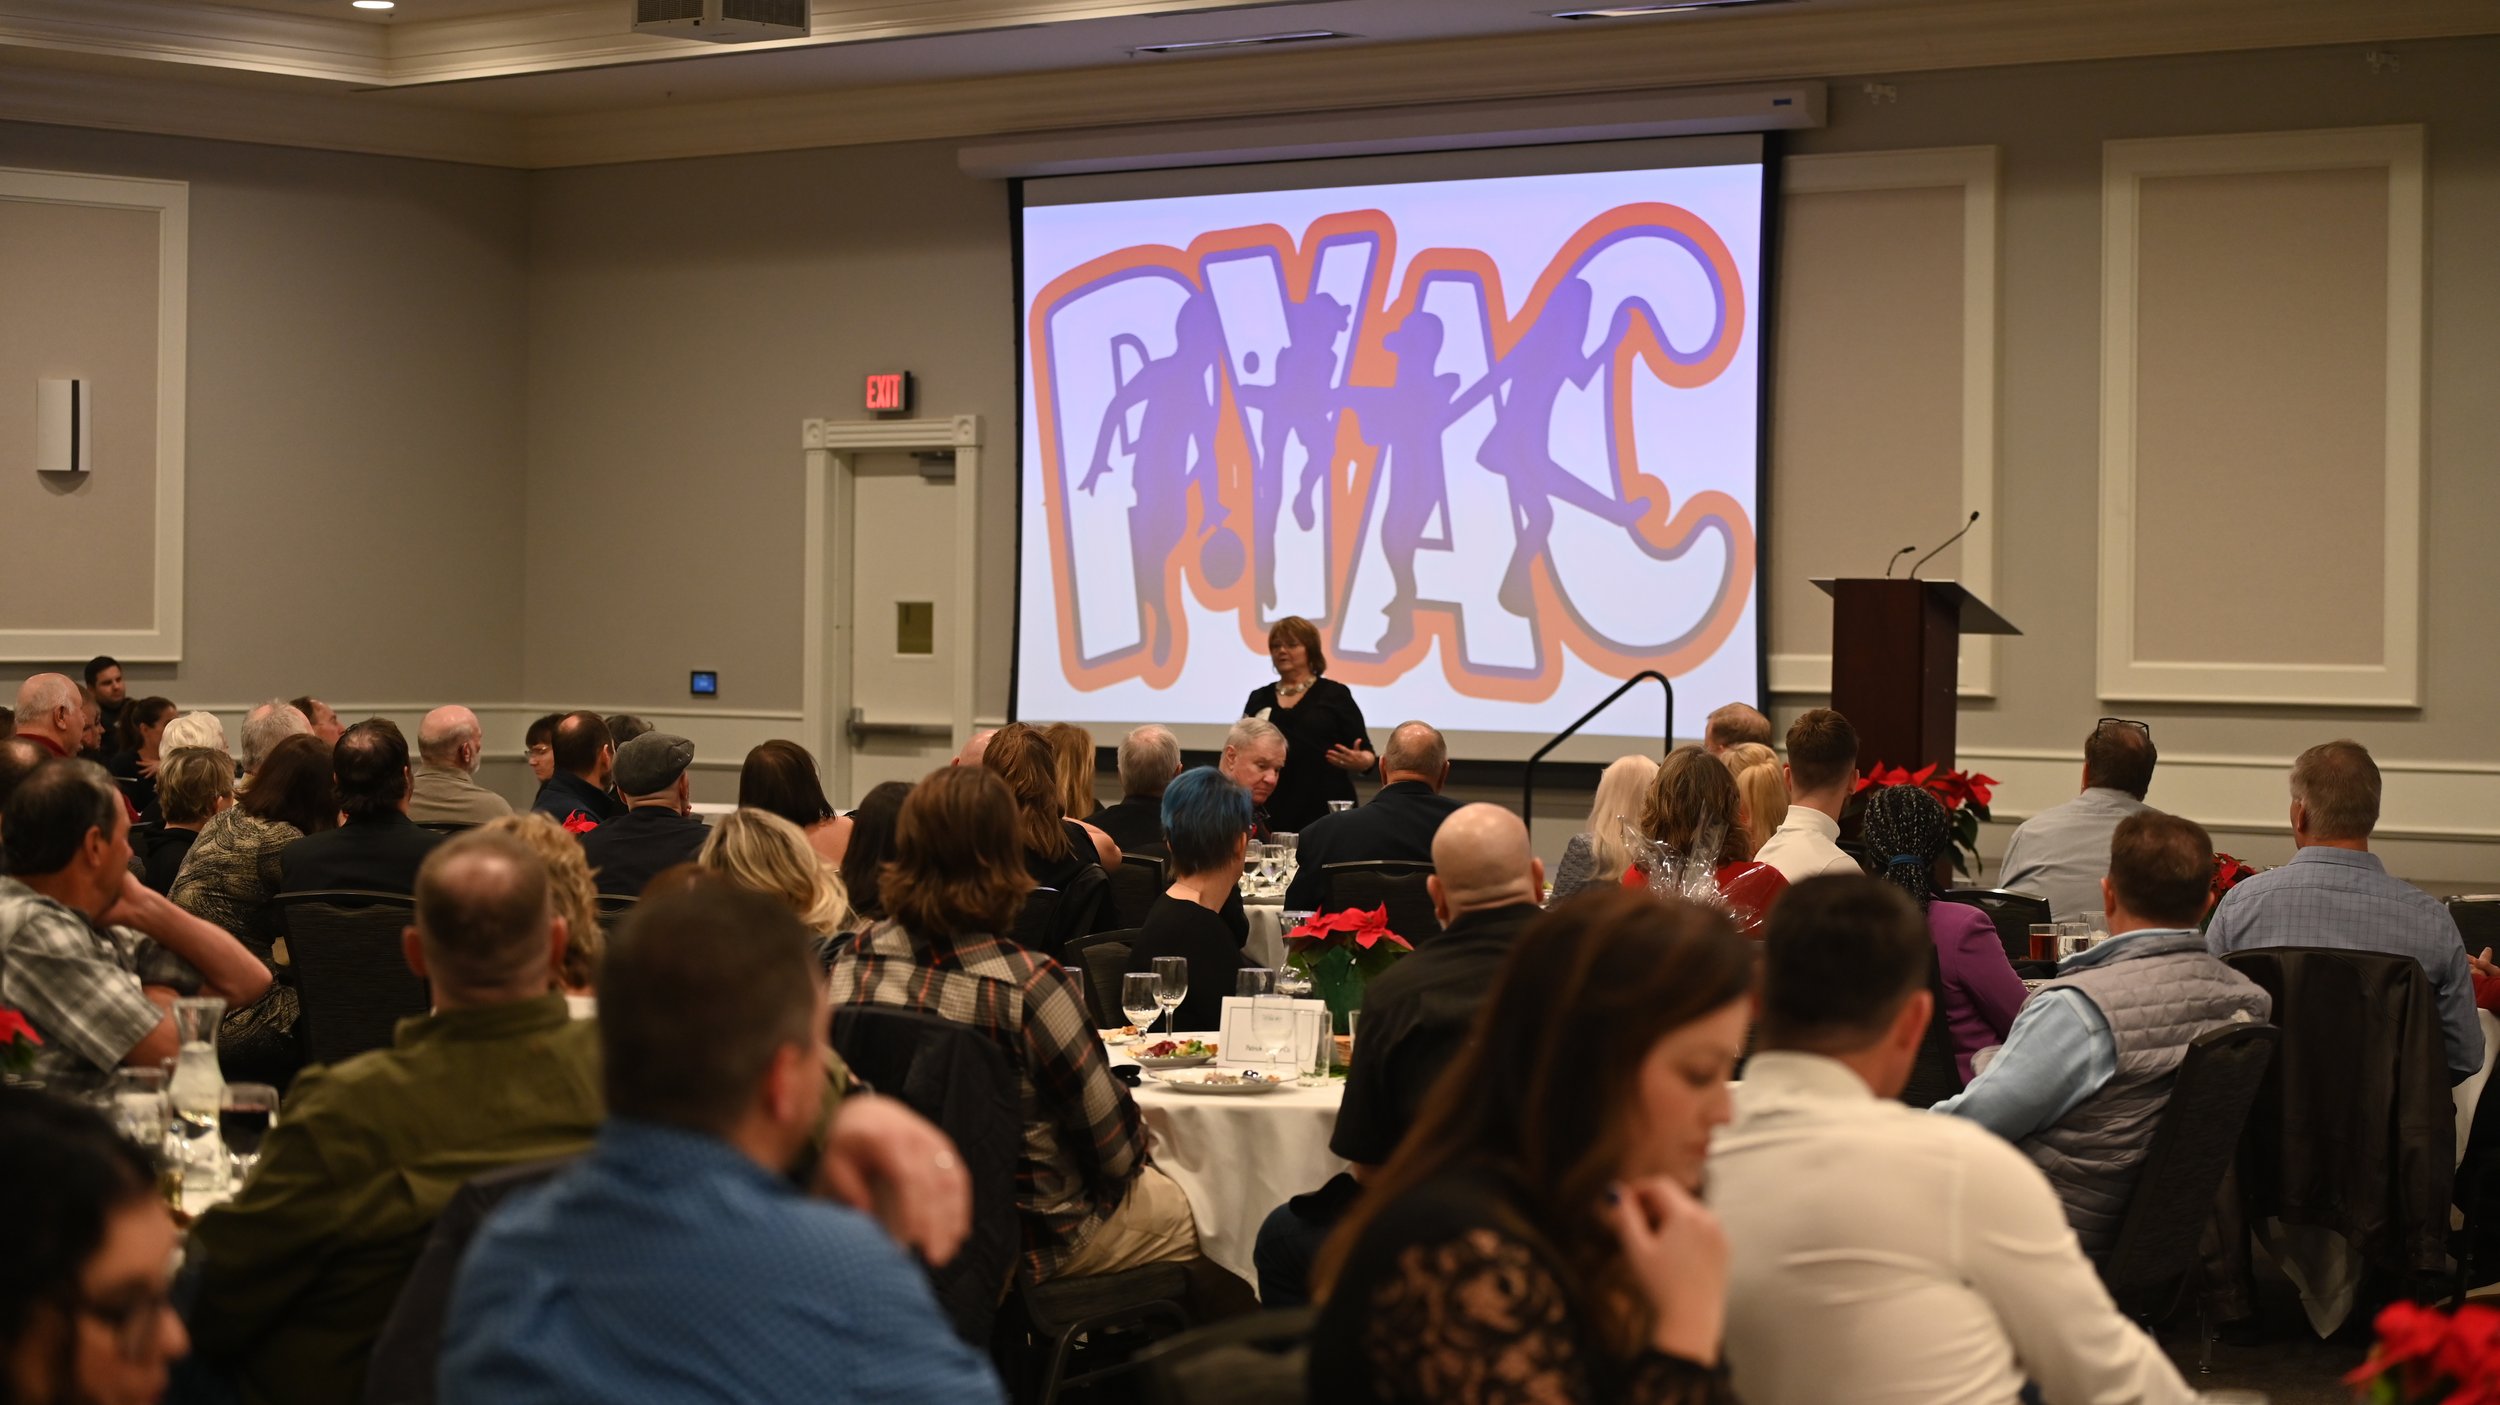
{"type": "Point", "coordinates": [1527, 784]}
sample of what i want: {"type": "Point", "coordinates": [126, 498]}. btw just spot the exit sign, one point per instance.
{"type": "Point", "coordinates": [890, 391]}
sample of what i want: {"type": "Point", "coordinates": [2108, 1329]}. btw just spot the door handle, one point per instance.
{"type": "Point", "coordinates": [861, 729]}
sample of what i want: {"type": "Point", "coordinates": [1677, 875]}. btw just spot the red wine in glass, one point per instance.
{"type": "Point", "coordinates": [244, 1128]}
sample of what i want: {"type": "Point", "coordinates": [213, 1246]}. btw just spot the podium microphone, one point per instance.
{"type": "Point", "coordinates": [1896, 559]}
{"type": "Point", "coordinates": [1957, 536]}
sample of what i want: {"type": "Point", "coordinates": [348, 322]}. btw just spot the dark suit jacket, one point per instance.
{"type": "Point", "coordinates": [1135, 824]}
{"type": "Point", "coordinates": [379, 854]}
{"type": "Point", "coordinates": [1398, 824]}
{"type": "Point", "coordinates": [631, 849]}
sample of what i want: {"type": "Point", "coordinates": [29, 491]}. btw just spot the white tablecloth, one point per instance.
{"type": "Point", "coordinates": [1239, 1158]}
{"type": "Point", "coordinates": [1266, 946]}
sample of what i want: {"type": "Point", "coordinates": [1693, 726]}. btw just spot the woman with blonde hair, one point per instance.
{"type": "Point", "coordinates": [761, 851]}
{"type": "Point", "coordinates": [1596, 856]}
{"type": "Point", "coordinates": [1761, 791]}
{"type": "Point", "coordinates": [575, 892]}
{"type": "Point", "coordinates": [1694, 812]}
{"type": "Point", "coordinates": [1073, 748]}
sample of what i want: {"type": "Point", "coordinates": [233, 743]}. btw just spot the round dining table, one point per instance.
{"type": "Point", "coordinates": [1266, 946]}
{"type": "Point", "coordinates": [1238, 1157]}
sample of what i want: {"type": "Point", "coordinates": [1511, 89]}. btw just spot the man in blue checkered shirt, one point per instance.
{"type": "Point", "coordinates": [2336, 893]}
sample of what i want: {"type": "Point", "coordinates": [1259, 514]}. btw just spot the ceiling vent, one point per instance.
{"type": "Point", "coordinates": [722, 21]}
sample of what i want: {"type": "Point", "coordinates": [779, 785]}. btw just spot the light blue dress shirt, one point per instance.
{"type": "Point", "coordinates": [669, 1267]}
{"type": "Point", "coordinates": [2346, 900]}
{"type": "Point", "coordinates": [2059, 1052]}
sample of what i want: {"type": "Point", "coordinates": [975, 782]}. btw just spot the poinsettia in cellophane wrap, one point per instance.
{"type": "Point", "coordinates": [1965, 796]}
{"type": "Point", "coordinates": [18, 1043]}
{"type": "Point", "coordinates": [1342, 952]}
{"type": "Point", "coordinates": [2425, 1357]}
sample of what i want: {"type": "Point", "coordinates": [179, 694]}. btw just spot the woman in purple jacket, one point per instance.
{"type": "Point", "coordinates": [1909, 832]}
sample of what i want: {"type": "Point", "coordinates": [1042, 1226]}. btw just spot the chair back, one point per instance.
{"type": "Point", "coordinates": [1053, 917]}
{"type": "Point", "coordinates": [2191, 1151]}
{"type": "Point", "coordinates": [2012, 912]}
{"type": "Point", "coordinates": [1140, 880]}
{"type": "Point", "coordinates": [401, 1371]}
{"type": "Point", "coordinates": [1261, 1359]}
{"type": "Point", "coordinates": [351, 974]}
{"type": "Point", "coordinates": [2477, 917]}
{"type": "Point", "coordinates": [447, 826]}
{"type": "Point", "coordinates": [1396, 884]}
{"type": "Point", "coordinates": [1102, 959]}
{"type": "Point", "coordinates": [961, 1081]}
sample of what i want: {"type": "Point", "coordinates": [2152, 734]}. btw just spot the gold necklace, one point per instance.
{"type": "Point", "coordinates": [1292, 690]}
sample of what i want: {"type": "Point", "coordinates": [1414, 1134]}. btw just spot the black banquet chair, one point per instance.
{"type": "Point", "coordinates": [1261, 1359]}
{"type": "Point", "coordinates": [351, 974]}
{"type": "Point", "coordinates": [1396, 884]}
{"type": "Point", "coordinates": [1053, 917]}
{"type": "Point", "coordinates": [2477, 916]}
{"type": "Point", "coordinates": [1140, 880]}
{"type": "Point", "coordinates": [1102, 959]}
{"type": "Point", "coordinates": [2013, 914]}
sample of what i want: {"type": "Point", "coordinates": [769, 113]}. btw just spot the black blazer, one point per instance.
{"type": "Point", "coordinates": [1135, 824]}
{"type": "Point", "coordinates": [631, 849]}
{"type": "Point", "coordinates": [379, 854]}
{"type": "Point", "coordinates": [1325, 716]}
{"type": "Point", "coordinates": [1398, 824]}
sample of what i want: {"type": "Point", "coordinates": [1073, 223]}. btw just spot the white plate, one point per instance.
{"type": "Point", "coordinates": [1195, 1081]}
{"type": "Point", "coordinates": [1181, 1061]}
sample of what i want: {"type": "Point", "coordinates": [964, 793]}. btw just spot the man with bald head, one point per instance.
{"type": "Point", "coordinates": [1485, 882]}
{"type": "Point", "coordinates": [450, 744]}
{"type": "Point", "coordinates": [1735, 725]}
{"type": "Point", "coordinates": [1399, 823]}
{"type": "Point", "coordinates": [974, 747]}
{"type": "Point", "coordinates": [52, 713]}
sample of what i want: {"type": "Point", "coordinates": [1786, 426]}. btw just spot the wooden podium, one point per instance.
{"type": "Point", "coordinates": [1896, 663]}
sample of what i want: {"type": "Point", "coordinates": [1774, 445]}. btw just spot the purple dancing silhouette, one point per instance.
{"type": "Point", "coordinates": [1518, 447]}
{"type": "Point", "coordinates": [1406, 418]}
{"type": "Point", "coordinates": [1301, 404]}
{"type": "Point", "coordinates": [1178, 392]}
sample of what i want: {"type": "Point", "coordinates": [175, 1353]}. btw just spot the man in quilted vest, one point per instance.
{"type": "Point", "coordinates": [2088, 1066]}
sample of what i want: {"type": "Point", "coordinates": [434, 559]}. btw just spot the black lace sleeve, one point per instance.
{"type": "Point", "coordinates": [1480, 1320]}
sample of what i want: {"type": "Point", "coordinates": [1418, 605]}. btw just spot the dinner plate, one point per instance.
{"type": "Point", "coordinates": [1195, 1081]}
{"type": "Point", "coordinates": [1175, 1061]}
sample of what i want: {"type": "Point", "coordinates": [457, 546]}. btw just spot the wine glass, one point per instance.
{"type": "Point", "coordinates": [244, 1117]}
{"type": "Point", "coordinates": [1171, 986]}
{"type": "Point", "coordinates": [1137, 998]}
{"type": "Point", "coordinates": [1252, 981]}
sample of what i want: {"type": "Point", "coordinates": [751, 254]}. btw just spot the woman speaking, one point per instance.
{"type": "Point", "coordinates": [1325, 744]}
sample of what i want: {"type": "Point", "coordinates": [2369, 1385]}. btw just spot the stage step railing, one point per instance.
{"type": "Point", "coordinates": [1666, 735]}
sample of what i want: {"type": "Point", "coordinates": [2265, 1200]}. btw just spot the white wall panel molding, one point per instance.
{"type": "Point", "coordinates": [2394, 681]}
{"type": "Point", "coordinates": [2431, 800]}
{"type": "Point", "coordinates": [160, 641]}
{"type": "Point", "coordinates": [1973, 170]}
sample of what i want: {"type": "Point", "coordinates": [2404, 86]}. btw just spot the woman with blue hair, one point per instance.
{"type": "Point", "coordinates": [1206, 826]}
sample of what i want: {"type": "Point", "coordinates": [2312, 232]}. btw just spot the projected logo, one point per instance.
{"type": "Point", "coordinates": [1259, 424]}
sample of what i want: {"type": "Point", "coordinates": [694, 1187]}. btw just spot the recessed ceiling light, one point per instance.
{"type": "Point", "coordinates": [372, 4]}
{"type": "Point", "coordinates": [1299, 36]}
{"type": "Point", "coordinates": [1673, 7]}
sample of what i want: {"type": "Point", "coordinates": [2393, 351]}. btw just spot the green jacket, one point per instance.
{"type": "Point", "coordinates": [300, 1270]}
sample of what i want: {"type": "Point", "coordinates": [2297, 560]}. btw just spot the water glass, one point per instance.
{"type": "Point", "coordinates": [1271, 1031]}
{"type": "Point", "coordinates": [1254, 981]}
{"type": "Point", "coordinates": [1293, 981]}
{"type": "Point", "coordinates": [1339, 807]}
{"type": "Point", "coordinates": [2043, 941]}
{"type": "Point", "coordinates": [1171, 985]}
{"type": "Point", "coordinates": [1137, 999]}
{"type": "Point", "coordinates": [244, 1118]}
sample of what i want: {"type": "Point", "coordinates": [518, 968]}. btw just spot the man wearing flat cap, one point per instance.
{"type": "Point", "coordinates": [659, 829]}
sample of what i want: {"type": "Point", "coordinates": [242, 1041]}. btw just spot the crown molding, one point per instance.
{"type": "Point", "coordinates": [269, 117]}
{"type": "Point", "coordinates": [212, 36]}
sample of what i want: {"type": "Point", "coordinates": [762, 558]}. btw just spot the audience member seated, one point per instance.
{"type": "Point", "coordinates": [1254, 756]}
{"type": "Point", "coordinates": [1596, 856]}
{"type": "Point", "coordinates": [19, 758]}
{"type": "Point", "coordinates": [1735, 725]}
{"type": "Point", "coordinates": [376, 847]}
{"type": "Point", "coordinates": [450, 745]}
{"type": "Point", "coordinates": [1761, 787]}
{"type": "Point", "coordinates": [301, 1268]}
{"type": "Point", "coordinates": [760, 852]}
{"type": "Point", "coordinates": [195, 729]}
{"type": "Point", "coordinates": [577, 794]}
{"type": "Point", "coordinates": [1693, 809]}
{"type": "Point", "coordinates": [91, 729]}
{"type": "Point", "coordinates": [135, 745]}
{"type": "Point", "coordinates": [1150, 756]}
{"type": "Point", "coordinates": [269, 724]}
{"type": "Point", "coordinates": [780, 777]}
{"type": "Point", "coordinates": [1055, 847]}
{"type": "Point", "coordinates": [1916, 1258]}
{"type": "Point", "coordinates": [2062, 853]}
{"type": "Point", "coordinates": [1911, 837]}
{"type": "Point", "coordinates": [85, 1307]}
{"type": "Point", "coordinates": [1537, 1235]}
{"type": "Point", "coordinates": [2083, 1079]}
{"type": "Point", "coordinates": [194, 786]}
{"type": "Point", "coordinates": [1089, 1202]}
{"type": "Point", "coordinates": [576, 900]}
{"type": "Point", "coordinates": [1822, 771]}
{"type": "Point", "coordinates": [973, 747]}
{"type": "Point", "coordinates": [658, 828]}
{"type": "Point", "coordinates": [233, 870]}
{"type": "Point", "coordinates": [870, 849]}
{"type": "Point", "coordinates": [1415, 1021]}
{"type": "Point", "coordinates": [325, 722]}
{"type": "Point", "coordinates": [110, 690]}
{"type": "Point", "coordinates": [625, 726]}
{"type": "Point", "coordinates": [1206, 821]}
{"type": "Point", "coordinates": [538, 746]}
{"type": "Point", "coordinates": [8, 723]}
{"type": "Point", "coordinates": [1072, 747]}
{"type": "Point", "coordinates": [88, 954]}
{"type": "Point", "coordinates": [682, 1226]}
{"type": "Point", "coordinates": [1399, 822]}
{"type": "Point", "coordinates": [2336, 893]}
{"type": "Point", "coordinates": [51, 714]}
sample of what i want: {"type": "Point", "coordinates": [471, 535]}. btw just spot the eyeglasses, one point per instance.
{"type": "Point", "coordinates": [2145, 727]}
{"type": "Point", "coordinates": [542, 749]}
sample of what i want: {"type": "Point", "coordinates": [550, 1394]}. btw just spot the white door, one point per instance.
{"type": "Point", "coordinates": [904, 618]}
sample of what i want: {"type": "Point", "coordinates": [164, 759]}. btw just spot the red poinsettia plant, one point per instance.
{"type": "Point", "coordinates": [18, 1043]}
{"type": "Point", "coordinates": [1342, 952]}
{"type": "Point", "coordinates": [2426, 1357]}
{"type": "Point", "coordinates": [1964, 795]}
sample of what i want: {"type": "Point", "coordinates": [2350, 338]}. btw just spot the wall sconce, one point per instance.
{"type": "Point", "coordinates": [62, 441]}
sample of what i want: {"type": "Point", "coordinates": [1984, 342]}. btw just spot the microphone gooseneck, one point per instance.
{"type": "Point", "coordinates": [1896, 559]}
{"type": "Point", "coordinates": [1957, 536]}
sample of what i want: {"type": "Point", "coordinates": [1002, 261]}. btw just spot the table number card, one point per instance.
{"type": "Point", "coordinates": [1233, 1040]}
